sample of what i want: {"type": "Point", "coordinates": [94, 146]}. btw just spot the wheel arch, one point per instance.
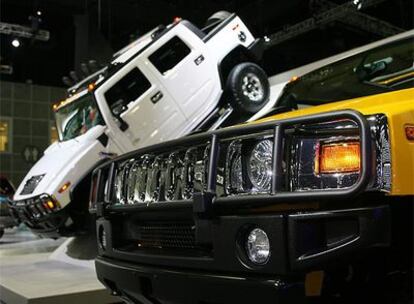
{"type": "Point", "coordinates": [81, 190]}
{"type": "Point", "coordinates": [238, 55]}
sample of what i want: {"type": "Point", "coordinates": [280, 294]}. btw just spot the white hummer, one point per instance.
{"type": "Point", "coordinates": [172, 81]}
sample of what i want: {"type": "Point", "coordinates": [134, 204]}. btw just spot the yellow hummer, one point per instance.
{"type": "Point", "coordinates": [312, 202]}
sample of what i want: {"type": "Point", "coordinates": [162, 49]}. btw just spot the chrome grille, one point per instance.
{"type": "Point", "coordinates": [173, 176]}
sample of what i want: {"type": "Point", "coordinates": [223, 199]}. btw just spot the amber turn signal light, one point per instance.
{"type": "Point", "coordinates": [91, 86]}
{"type": "Point", "coordinates": [49, 205]}
{"type": "Point", "coordinates": [64, 187]}
{"type": "Point", "coordinates": [338, 158]}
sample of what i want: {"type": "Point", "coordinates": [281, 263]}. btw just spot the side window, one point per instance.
{"type": "Point", "coordinates": [169, 55]}
{"type": "Point", "coordinates": [391, 66]}
{"type": "Point", "coordinates": [128, 89]}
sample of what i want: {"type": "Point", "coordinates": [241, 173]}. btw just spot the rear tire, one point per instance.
{"type": "Point", "coordinates": [1, 232]}
{"type": "Point", "coordinates": [248, 88]}
{"type": "Point", "coordinates": [218, 16]}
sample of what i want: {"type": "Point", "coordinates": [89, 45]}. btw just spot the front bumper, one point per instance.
{"type": "Point", "coordinates": [145, 284]}
{"type": "Point", "coordinates": [51, 225]}
{"type": "Point", "coordinates": [300, 242]}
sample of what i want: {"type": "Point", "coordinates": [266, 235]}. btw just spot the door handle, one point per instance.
{"type": "Point", "coordinates": [156, 97]}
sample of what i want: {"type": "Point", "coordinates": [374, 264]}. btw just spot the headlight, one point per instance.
{"type": "Point", "coordinates": [260, 169]}
{"type": "Point", "coordinates": [248, 166]}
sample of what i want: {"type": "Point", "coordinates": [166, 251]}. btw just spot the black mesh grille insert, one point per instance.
{"type": "Point", "coordinates": [31, 184]}
{"type": "Point", "coordinates": [158, 237]}
{"type": "Point", "coordinates": [166, 235]}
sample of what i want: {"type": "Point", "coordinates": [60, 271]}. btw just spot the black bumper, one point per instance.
{"type": "Point", "coordinates": [50, 225]}
{"type": "Point", "coordinates": [144, 284]}
{"type": "Point", "coordinates": [299, 242]}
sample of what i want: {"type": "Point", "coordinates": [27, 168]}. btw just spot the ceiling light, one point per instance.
{"type": "Point", "coordinates": [358, 4]}
{"type": "Point", "coordinates": [15, 42]}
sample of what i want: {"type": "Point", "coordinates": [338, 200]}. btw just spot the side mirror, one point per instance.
{"type": "Point", "coordinates": [368, 71]}
{"type": "Point", "coordinates": [123, 125]}
{"type": "Point", "coordinates": [117, 109]}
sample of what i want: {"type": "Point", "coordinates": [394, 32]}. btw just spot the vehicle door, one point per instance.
{"type": "Point", "coordinates": [186, 70]}
{"type": "Point", "coordinates": [142, 107]}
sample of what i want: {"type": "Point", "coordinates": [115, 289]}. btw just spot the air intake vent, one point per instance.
{"type": "Point", "coordinates": [167, 235]}
{"type": "Point", "coordinates": [31, 184]}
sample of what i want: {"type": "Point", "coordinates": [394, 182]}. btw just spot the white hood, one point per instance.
{"type": "Point", "coordinates": [64, 162]}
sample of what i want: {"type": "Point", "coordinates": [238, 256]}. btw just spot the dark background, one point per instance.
{"type": "Point", "coordinates": [94, 29]}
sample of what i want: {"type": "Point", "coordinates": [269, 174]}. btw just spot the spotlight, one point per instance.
{"type": "Point", "coordinates": [358, 4]}
{"type": "Point", "coordinates": [15, 42]}
{"type": "Point", "coordinates": [39, 13]}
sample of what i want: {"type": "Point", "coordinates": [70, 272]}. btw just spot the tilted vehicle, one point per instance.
{"type": "Point", "coordinates": [315, 201]}
{"type": "Point", "coordinates": [170, 82]}
{"type": "Point", "coordinates": [6, 194]}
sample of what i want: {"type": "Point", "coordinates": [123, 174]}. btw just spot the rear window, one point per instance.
{"type": "Point", "coordinates": [169, 55]}
{"type": "Point", "coordinates": [126, 90]}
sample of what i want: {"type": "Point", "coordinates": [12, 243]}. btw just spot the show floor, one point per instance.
{"type": "Point", "coordinates": [34, 270]}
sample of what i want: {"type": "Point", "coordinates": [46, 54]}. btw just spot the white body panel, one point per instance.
{"type": "Point", "coordinates": [65, 162]}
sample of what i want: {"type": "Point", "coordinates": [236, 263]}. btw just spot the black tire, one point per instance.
{"type": "Point", "coordinates": [1, 232]}
{"type": "Point", "coordinates": [248, 97]}
{"type": "Point", "coordinates": [218, 16]}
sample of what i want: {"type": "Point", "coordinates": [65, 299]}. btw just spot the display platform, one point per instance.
{"type": "Point", "coordinates": [62, 274]}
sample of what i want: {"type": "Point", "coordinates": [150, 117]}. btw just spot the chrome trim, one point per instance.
{"type": "Point", "coordinates": [381, 137]}
{"type": "Point", "coordinates": [381, 143]}
{"type": "Point", "coordinates": [303, 176]}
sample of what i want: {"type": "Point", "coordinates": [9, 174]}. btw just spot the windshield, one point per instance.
{"type": "Point", "coordinates": [77, 117]}
{"type": "Point", "coordinates": [383, 69]}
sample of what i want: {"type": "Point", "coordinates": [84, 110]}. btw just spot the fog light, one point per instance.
{"type": "Point", "coordinates": [102, 238]}
{"type": "Point", "coordinates": [258, 246]}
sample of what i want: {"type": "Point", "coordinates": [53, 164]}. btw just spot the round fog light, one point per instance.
{"type": "Point", "coordinates": [258, 246]}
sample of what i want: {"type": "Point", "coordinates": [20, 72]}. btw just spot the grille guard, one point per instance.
{"type": "Point", "coordinates": [203, 203]}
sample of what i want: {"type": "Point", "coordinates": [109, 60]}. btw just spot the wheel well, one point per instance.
{"type": "Point", "coordinates": [237, 55]}
{"type": "Point", "coordinates": [80, 193]}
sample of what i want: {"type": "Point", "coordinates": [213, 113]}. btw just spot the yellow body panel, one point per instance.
{"type": "Point", "coordinates": [398, 106]}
